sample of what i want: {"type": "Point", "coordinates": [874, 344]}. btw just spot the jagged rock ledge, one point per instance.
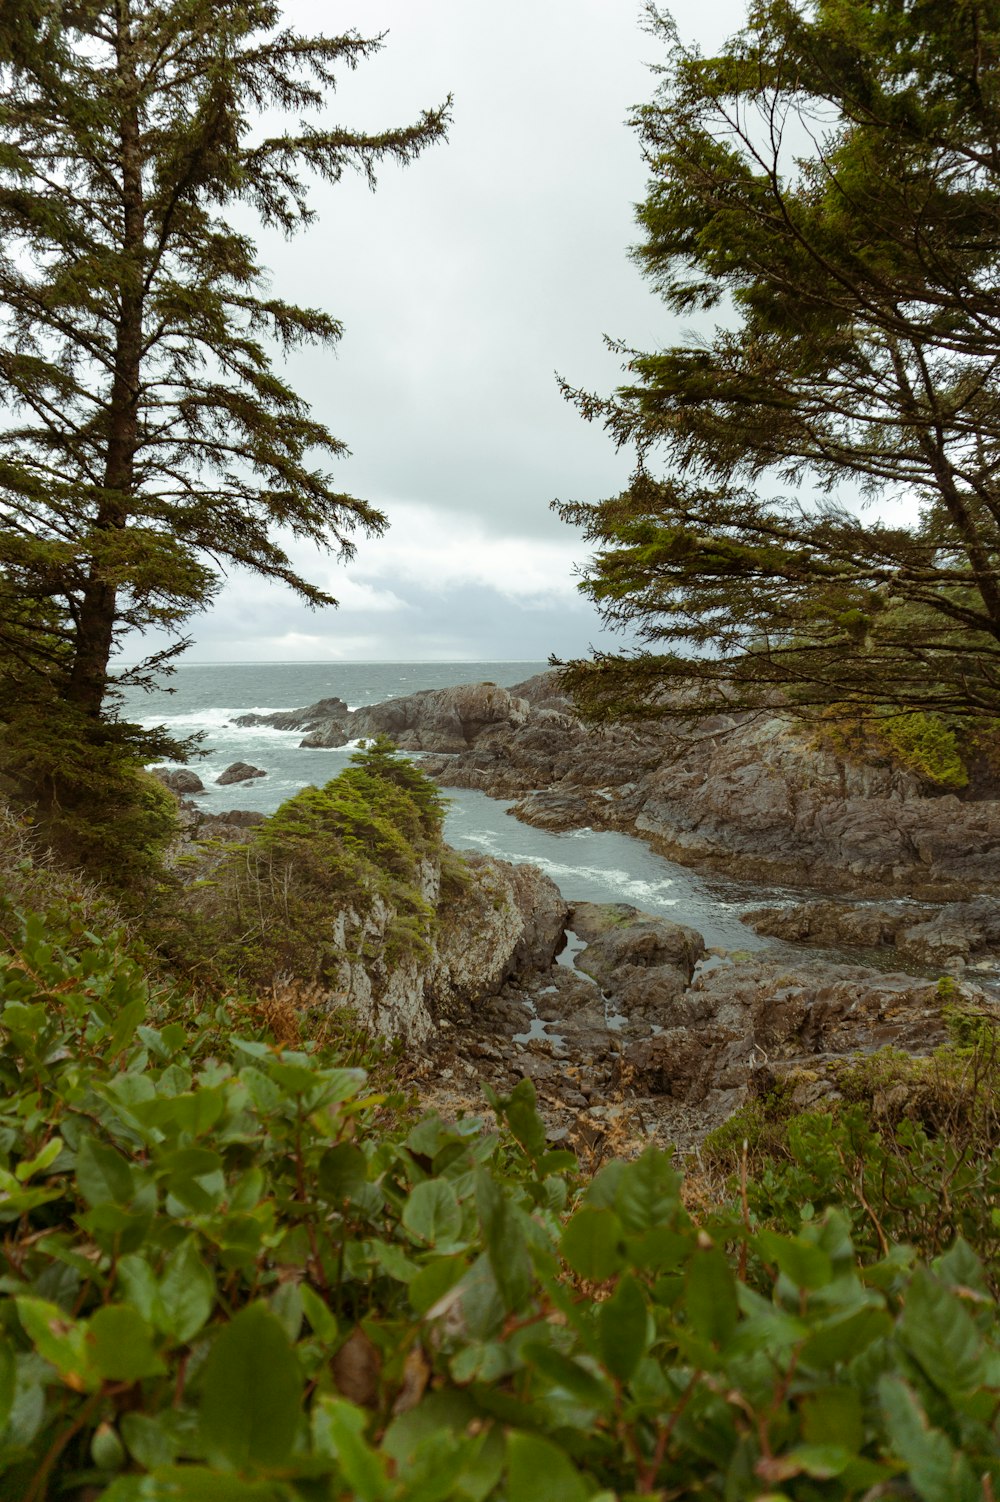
{"type": "Point", "coordinates": [647, 1025]}
{"type": "Point", "coordinates": [751, 796]}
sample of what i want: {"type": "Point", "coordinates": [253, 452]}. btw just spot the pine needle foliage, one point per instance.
{"type": "Point", "coordinates": [828, 189]}
{"type": "Point", "coordinates": [151, 437]}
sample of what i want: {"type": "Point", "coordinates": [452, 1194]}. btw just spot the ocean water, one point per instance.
{"type": "Point", "coordinates": [587, 865]}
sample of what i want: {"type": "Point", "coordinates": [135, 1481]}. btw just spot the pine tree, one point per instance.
{"type": "Point", "coordinates": [830, 182]}
{"type": "Point", "coordinates": [151, 436]}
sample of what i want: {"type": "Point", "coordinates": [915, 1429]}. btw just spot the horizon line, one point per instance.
{"type": "Point", "coordinates": [358, 662]}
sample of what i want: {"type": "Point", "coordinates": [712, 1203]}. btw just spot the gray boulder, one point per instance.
{"type": "Point", "coordinates": [628, 950]}
{"type": "Point", "coordinates": [179, 780]}
{"type": "Point", "coordinates": [239, 771]}
{"type": "Point", "coordinates": [310, 718]}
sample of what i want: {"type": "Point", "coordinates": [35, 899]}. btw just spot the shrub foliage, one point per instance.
{"type": "Point", "coordinates": [228, 1277]}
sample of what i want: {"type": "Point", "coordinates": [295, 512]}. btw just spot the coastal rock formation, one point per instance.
{"type": "Point", "coordinates": [314, 717]}
{"type": "Point", "coordinates": [497, 923]}
{"type": "Point", "coordinates": [179, 780]}
{"type": "Point", "coordinates": [239, 771]}
{"type": "Point", "coordinates": [401, 958]}
{"type": "Point", "coordinates": [675, 1051]}
{"type": "Point", "coordinates": [506, 923]}
{"type": "Point", "coordinates": [446, 719]}
{"type": "Point", "coordinates": [751, 795]}
{"type": "Point", "coordinates": [951, 937]}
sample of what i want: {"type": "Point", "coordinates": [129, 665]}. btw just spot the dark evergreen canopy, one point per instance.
{"type": "Point", "coordinates": [150, 435]}
{"type": "Point", "coordinates": [827, 189]}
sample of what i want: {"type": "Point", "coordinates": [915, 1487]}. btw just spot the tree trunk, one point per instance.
{"type": "Point", "coordinates": [98, 606]}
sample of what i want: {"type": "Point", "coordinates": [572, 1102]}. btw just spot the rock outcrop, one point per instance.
{"type": "Point", "coordinates": [489, 924]}
{"type": "Point", "coordinates": [505, 924]}
{"type": "Point", "coordinates": [497, 924]}
{"type": "Point", "coordinates": [239, 771]}
{"type": "Point", "coordinates": [180, 780]}
{"type": "Point", "coordinates": [315, 717]}
{"type": "Point", "coordinates": [950, 937]}
{"type": "Point", "coordinates": [753, 796]}
{"type": "Point", "coordinates": [446, 719]}
{"type": "Point", "coordinates": [673, 1040]}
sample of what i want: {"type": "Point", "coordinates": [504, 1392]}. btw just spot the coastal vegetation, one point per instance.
{"type": "Point", "coordinates": [825, 188]}
{"type": "Point", "coordinates": [150, 436]}
{"type": "Point", "coordinates": [243, 1262]}
{"type": "Point", "coordinates": [234, 1270]}
{"type": "Point", "coordinates": [270, 906]}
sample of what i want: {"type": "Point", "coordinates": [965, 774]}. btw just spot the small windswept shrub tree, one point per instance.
{"type": "Point", "coordinates": [271, 906]}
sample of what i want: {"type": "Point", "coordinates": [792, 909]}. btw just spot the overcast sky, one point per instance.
{"type": "Point", "coordinates": [465, 282]}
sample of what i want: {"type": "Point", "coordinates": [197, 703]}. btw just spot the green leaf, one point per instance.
{"type": "Point", "coordinates": [710, 1296]}
{"type": "Point", "coordinates": [647, 1195]}
{"type": "Point", "coordinates": [832, 1416]}
{"type": "Point", "coordinates": [621, 1329]}
{"type": "Point", "coordinates": [393, 1260]}
{"type": "Point", "coordinates": [339, 1431]}
{"type": "Point", "coordinates": [323, 1323]}
{"type": "Point", "coordinates": [432, 1214]}
{"type": "Point", "coordinates": [28, 1167]}
{"type": "Point", "coordinates": [197, 1111]}
{"type": "Point", "coordinates": [190, 1483]}
{"type": "Point", "coordinates": [102, 1174]}
{"type": "Point", "coordinates": [433, 1282]}
{"type": "Point", "coordinates": [485, 1361]}
{"type": "Point", "coordinates": [822, 1462]}
{"type": "Point", "coordinates": [285, 1303]}
{"type": "Point", "coordinates": [939, 1331]}
{"type": "Point", "coordinates": [506, 1241]}
{"type": "Point", "coordinates": [60, 1339]}
{"type": "Point", "coordinates": [538, 1471]}
{"type": "Point", "coordinates": [122, 1345]}
{"type": "Point", "coordinates": [581, 1384]}
{"type": "Point", "coordinates": [960, 1266]}
{"type": "Point", "coordinates": [251, 1393]}
{"type": "Point", "coordinates": [592, 1244]}
{"type": "Point", "coordinates": [125, 1024]}
{"type": "Point", "coordinates": [106, 1448]}
{"type": "Point", "coordinates": [151, 1441]}
{"type": "Point", "coordinates": [139, 1283]}
{"type": "Point", "coordinates": [343, 1172]}
{"type": "Point", "coordinates": [805, 1265]}
{"type": "Point", "coordinates": [844, 1337]}
{"type": "Point", "coordinates": [8, 1382]}
{"type": "Point", "coordinates": [187, 1292]}
{"type": "Point", "coordinates": [524, 1120]}
{"type": "Point", "coordinates": [936, 1469]}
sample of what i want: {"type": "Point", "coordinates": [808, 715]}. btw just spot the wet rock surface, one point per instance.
{"type": "Point", "coordinates": [751, 795]}
{"type": "Point", "coordinates": [239, 771]}
{"type": "Point", "coordinates": [180, 780]}
{"type": "Point", "coordinates": [640, 1029]}
{"type": "Point", "coordinates": [950, 937]}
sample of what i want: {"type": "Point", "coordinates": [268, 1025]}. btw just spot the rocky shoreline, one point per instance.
{"type": "Point", "coordinates": [635, 1021]}
{"type": "Point", "coordinates": [750, 796]}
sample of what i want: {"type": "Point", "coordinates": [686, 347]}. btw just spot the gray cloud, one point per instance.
{"type": "Point", "coordinates": [464, 283]}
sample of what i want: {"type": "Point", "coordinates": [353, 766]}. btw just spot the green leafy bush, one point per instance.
{"type": "Point", "coordinates": [925, 744]}
{"type": "Point", "coordinates": [225, 1280]}
{"type": "Point", "coordinates": [909, 1150]}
